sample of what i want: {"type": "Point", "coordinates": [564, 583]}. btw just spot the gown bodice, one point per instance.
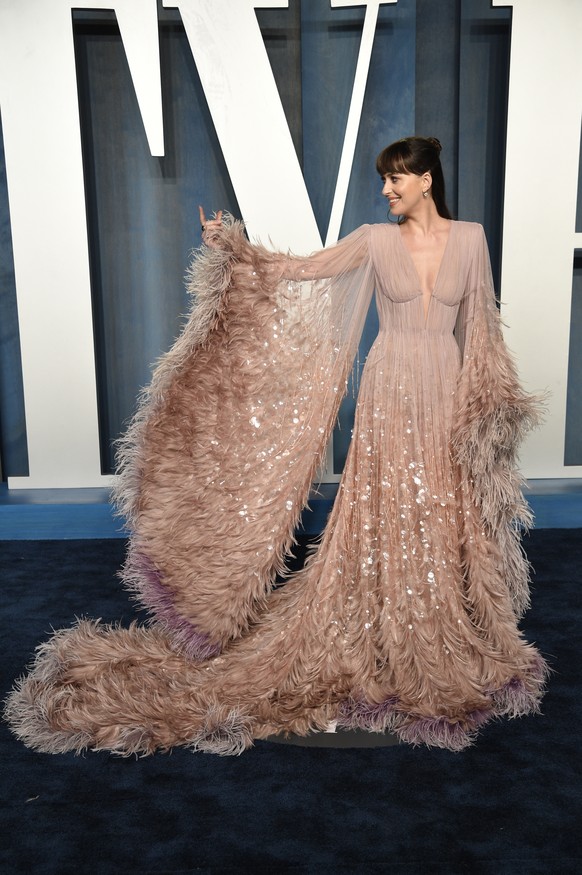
{"type": "Point", "coordinates": [399, 298]}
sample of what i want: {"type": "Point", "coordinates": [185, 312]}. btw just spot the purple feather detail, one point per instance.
{"type": "Point", "coordinates": [522, 695]}
{"type": "Point", "coordinates": [145, 580]}
{"type": "Point", "coordinates": [360, 714]}
{"type": "Point", "coordinates": [515, 698]}
{"type": "Point", "coordinates": [437, 732]}
{"type": "Point", "coordinates": [480, 717]}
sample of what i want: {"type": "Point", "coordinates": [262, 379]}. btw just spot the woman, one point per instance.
{"type": "Point", "coordinates": [405, 618]}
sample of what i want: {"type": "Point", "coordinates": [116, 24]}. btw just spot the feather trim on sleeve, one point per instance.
{"type": "Point", "coordinates": [217, 465]}
{"type": "Point", "coordinates": [493, 415]}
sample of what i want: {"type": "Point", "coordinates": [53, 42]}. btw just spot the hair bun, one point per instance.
{"type": "Point", "coordinates": [434, 142]}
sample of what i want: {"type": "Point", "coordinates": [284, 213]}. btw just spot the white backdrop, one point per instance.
{"type": "Point", "coordinates": [38, 99]}
{"type": "Point", "coordinates": [543, 151]}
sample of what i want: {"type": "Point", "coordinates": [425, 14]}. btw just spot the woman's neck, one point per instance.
{"type": "Point", "coordinates": [425, 221]}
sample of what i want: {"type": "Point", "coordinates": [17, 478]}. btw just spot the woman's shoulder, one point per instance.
{"type": "Point", "coordinates": [392, 227]}
{"type": "Point", "coordinates": [381, 229]}
{"type": "Point", "coordinates": [469, 229]}
{"type": "Point", "coordinates": [464, 231]}
{"type": "Point", "coordinates": [383, 237]}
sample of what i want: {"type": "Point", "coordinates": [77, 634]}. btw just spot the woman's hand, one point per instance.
{"type": "Point", "coordinates": [210, 227]}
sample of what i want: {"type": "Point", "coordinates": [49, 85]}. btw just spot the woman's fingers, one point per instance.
{"type": "Point", "coordinates": [213, 223]}
{"type": "Point", "coordinates": [210, 227]}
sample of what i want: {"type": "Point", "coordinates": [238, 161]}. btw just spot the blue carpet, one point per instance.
{"type": "Point", "coordinates": [511, 804]}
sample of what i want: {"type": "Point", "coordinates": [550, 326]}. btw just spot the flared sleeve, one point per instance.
{"type": "Point", "coordinates": [492, 416]}
{"type": "Point", "coordinates": [217, 465]}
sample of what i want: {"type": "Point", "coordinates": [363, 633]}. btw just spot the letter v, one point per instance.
{"type": "Point", "coordinates": [42, 141]}
{"type": "Point", "coordinates": [250, 123]}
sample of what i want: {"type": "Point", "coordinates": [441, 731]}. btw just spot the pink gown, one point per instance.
{"type": "Point", "coordinates": [405, 617]}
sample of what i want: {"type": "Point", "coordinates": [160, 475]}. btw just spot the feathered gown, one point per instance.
{"type": "Point", "coordinates": [405, 618]}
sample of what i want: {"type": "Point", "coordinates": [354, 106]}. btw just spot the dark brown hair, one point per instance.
{"type": "Point", "coordinates": [416, 155]}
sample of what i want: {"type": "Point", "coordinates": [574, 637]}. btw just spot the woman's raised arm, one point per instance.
{"type": "Point", "coordinates": [345, 255]}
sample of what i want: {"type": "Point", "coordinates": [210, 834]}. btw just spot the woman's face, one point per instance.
{"type": "Point", "coordinates": [404, 192]}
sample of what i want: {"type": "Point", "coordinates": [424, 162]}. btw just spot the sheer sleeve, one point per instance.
{"type": "Point", "coordinates": [479, 289]}
{"type": "Point", "coordinates": [464, 320]}
{"type": "Point", "coordinates": [347, 254]}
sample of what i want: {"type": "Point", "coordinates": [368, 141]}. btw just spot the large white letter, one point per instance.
{"type": "Point", "coordinates": [38, 96]}
{"type": "Point", "coordinates": [543, 144]}
{"type": "Point", "coordinates": [238, 82]}
{"type": "Point", "coordinates": [40, 118]}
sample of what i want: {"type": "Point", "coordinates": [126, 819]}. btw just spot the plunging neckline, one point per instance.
{"type": "Point", "coordinates": [431, 295]}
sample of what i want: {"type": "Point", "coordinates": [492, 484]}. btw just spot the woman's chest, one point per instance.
{"type": "Point", "coordinates": [402, 275]}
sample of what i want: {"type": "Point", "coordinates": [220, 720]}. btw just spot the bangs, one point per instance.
{"type": "Point", "coordinates": [394, 159]}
